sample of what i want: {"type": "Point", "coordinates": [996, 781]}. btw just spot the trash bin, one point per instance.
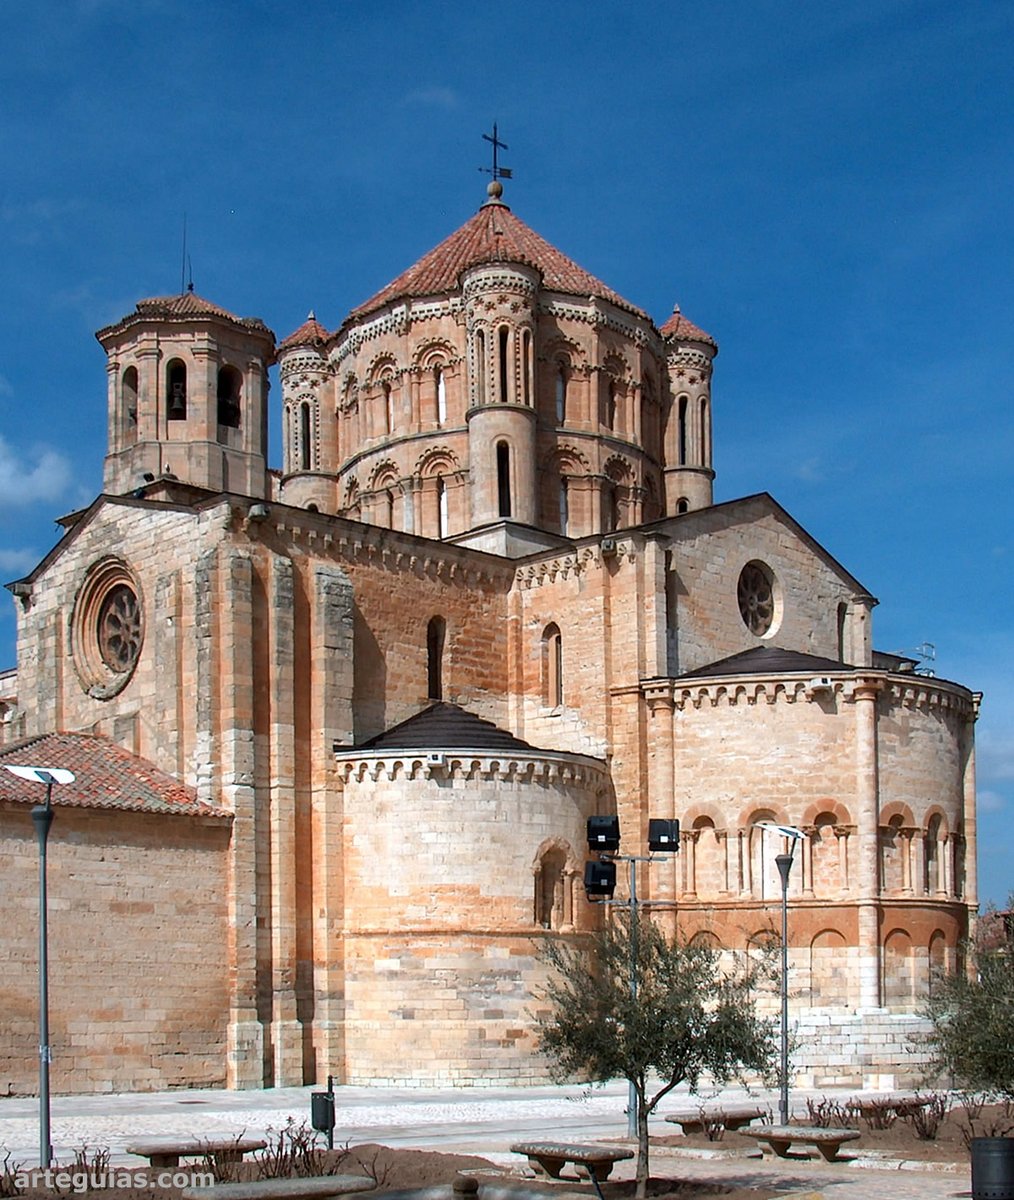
{"type": "Point", "coordinates": [993, 1168]}
{"type": "Point", "coordinates": [322, 1111]}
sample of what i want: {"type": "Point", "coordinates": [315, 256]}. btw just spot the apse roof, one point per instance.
{"type": "Point", "coordinates": [106, 776]}
{"type": "Point", "coordinates": [493, 234]}
{"type": "Point", "coordinates": [769, 660]}
{"type": "Point", "coordinates": [310, 333]}
{"type": "Point", "coordinates": [445, 726]}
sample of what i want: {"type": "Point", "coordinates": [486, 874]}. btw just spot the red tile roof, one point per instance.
{"type": "Point", "coordinates": [106, 776]}
{"type": "Point", "coordinates": [185, 306]}
{"type": "Point", "coordinates": [679, 328]}
{"type": "Point", "coordinates": [310, 333]}
{"type": "Point", "coordinates": [494, 234]}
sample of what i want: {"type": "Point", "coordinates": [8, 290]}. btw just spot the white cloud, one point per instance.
{"type": "Point", "coordinates": [41, 473]}
{"type": "Point", "coordinates": [989, 801]}
{"type": "Point", "coordinates": [5, 387]}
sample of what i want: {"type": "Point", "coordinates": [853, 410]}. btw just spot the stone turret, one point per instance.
{"type": "Point", "coordinates": [689, 471]}
{"type": "Point", "coordinates": [188, 389]}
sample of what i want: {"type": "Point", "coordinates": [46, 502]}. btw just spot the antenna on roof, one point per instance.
{"type": "Point", "coordinates": [184, 260]}
{"type": "Point", "coordinates": [497, 171]}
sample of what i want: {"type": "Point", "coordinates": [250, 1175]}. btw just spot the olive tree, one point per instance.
{"type": "Point", "coordinates": [689, 1018]}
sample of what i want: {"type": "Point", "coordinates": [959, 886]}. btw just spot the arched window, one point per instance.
{"type": "Point", "coordinates": [526, 366]}
{"type": "Point", "coordinates": [561, 394]}
{"type": "Point", "coordinates": [551, 900]}
{"type": "Point", "coordinates": [480, 367]}
{"type": "Point", "coordinates": [503, 478]}
{"type": "Point", "coordinates": [611, 407]}
{"type": "Point", "coordinates": [552, 667]}
{"type": "Point", "coordinates": [435, 633]}
{"type": "Point", "coordinates": [389, 508]}
{"type": "Point", "coordinates": [304, 437]}
{"type": "Point", "coordinates": [441, 507]}
{"type": "Point", "coordinates": [683, 505]}
{"type": "Point", "coordinates": [441, 390]}
{"type": "Point", "coordinates": [705, 443]}
{"type": "Point", "coordinates": [843, 612]}
{"type": "Point", "coordinates": [564, 502]}
{"type": "Point", "coordinates": [128, 395]}
{"type": "Point", "coordinates": [611, 508]}
{"type": "Point", "coordinates": [176, 388]}
{"type": "Point", "coordinates": [230, 383]}
{"type": "Point", "coordinates": [388, 407]}
{"type": "Point", "coordinates": [681, 433]}
{"type": "Point", "coordinates": [503, 361]}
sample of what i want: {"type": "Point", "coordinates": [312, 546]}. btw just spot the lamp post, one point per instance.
{"type": "Point", "coordinates": [42, 817]}
{"type": "Point", "coordinates": [784, 865]}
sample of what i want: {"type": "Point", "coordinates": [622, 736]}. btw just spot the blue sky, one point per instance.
{"type": "Point", "coordinates": [824, 187]}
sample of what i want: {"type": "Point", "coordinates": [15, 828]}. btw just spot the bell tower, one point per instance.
{"type": "Point", "coordinates": [188, 389]}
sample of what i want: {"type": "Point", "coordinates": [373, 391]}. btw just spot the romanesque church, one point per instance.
{"type": "Point", "coordinates": [337, 728]}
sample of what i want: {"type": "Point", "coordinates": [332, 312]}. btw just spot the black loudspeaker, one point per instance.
{"type": "Point", "coordinates": [663, 835]}
{"type": "Point", "coordinates": [604, 833]}
{"type": "Point", "coordinates": [599, 879]}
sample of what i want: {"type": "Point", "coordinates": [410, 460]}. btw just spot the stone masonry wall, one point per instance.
{"type": "Point", "coordinates": [138, 989]}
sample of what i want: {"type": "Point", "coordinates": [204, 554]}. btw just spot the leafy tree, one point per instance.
{"type": "Point", "coordinates": [973, 1022]}
{"type": "Point", "coordinates": [689, 1017]}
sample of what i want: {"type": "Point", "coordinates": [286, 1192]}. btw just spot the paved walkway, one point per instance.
{"type": "Point", "coordinates": [474, 1120]}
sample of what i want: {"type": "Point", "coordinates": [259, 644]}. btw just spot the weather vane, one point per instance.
{"type": "Point", "coordinates": [497, 171]}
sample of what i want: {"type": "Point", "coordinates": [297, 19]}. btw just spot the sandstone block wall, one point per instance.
{"type": "Point", "coordinates": [138, 981]}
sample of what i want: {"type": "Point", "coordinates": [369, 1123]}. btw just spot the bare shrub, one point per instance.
{"type": "Point", "coordinates": [927, 1118]}
{"type": "Point", "coordinates": [9, 1172]}
{"type": "Point", "coordinates": [877, 1114]}
{"type": "Point", "coordinates": [91, 1162]}
{"type": "Point", "coordinates": [828, 1113]}
{"type": "Point", "coordinates": [293, 1150]}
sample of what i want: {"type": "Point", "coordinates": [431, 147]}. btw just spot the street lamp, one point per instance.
{"type": "Point", "coordinates": [784, 865]}
{"type": "Point", "coordinates": [42, 816]}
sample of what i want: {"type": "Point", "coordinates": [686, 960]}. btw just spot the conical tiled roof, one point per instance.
{"type": "Point", "coordinates": [310, 333]}
{"type": "Point", "coordinates": [494, 234]}
{"type": "Point", "coordinates": [686, 331]}
{"type": "Point", "coordinates": [448, 727]}
{"type": "Point", "coordinates": [106, 776]}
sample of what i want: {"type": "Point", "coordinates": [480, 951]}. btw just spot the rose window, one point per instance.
{"type": "Point", "coordinates": [119, 628]}
{"type": "Point", "coordinates": [756, 595]}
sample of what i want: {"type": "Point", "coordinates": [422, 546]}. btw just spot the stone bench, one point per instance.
{"type": "Point", "coordinates": [167, 1152]}
{"type": "Point", "coordinates": [903, 1104]}
{"type": "Point", "coordinates": [730, 1116]}
{"type": "Point", "coordinates": [312, 1187]}
{"type": "Point", "coordinates": [778, 1138]}
{"type": "Point", "coordinates": [551, 1157]}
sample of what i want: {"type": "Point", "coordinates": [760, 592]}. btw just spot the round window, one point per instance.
{"type": "Point", "coordinates": [758, 598]}
{"type": "Point", "coordinates": [107, 629]}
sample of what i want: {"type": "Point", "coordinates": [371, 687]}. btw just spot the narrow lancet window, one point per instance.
{"type": "Point", "coordinates": [561, 395]}
{"type": "Point", "coordinates": [480, 367]}
{"type": "Point", "coordinates": [441, 387]}
{"type": "Point", "coordinates": [552, 666]}
{"type": "Point", "coordinates": [176, 379]}
{"type": "Point", "coordinates": [504, 373]}
{"type": "Point", "coordinates": [435, 633]}
{"type": "Point", "coordinates": [304, 437]}
{"type": "Point", "coordinates": [441, 507]}
{"type": "Point", "coordinates": [503, 478]}
{"type": "Point", "coordinates": [681, 433]}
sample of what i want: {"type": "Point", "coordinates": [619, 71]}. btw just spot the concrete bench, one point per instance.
{"type": "Point", "coordinates": [730, 1116]}
{"type": "Point", "coordinates": [901, 1103]}
{"type": "Point", "coordinates": [551, 1157]}
{"type": "Point", "coordinates": [778, 1138]}
{"type": "Point", "coordinates": [310, 1188]}
{"type": "Point", "coordinates": [167, 1152]}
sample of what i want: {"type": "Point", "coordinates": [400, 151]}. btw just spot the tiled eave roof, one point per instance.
{"type": "Point", "coordinates": [769, 660]}
{"type": "Point", "coordinates": [445, 726]}
{"type": "Point", "coordinates": [493, 235]}
{"type": "Point", "coordinates": [106, 777]}
{"type": "Point", "coordinates": [187, 306]}
{"type": "Point", "coordinates": [310, 333]}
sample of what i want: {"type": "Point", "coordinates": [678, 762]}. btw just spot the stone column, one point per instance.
{"type": "Point", "coordinates": [969, 820]}
{"type": "Point", "coordinates": [807, 864]}
{"type": "Point", "coordinates": [841, 832]}
{"type": "Point", "coordinates": [331, 660]}
{"type": "Point", "coordinates": [867, 882]}
{"type": "Point", "coordinates": [285, 1032]}
{"type": "Point", "coordinates": [224, 704]}
{"type": "Point", "coordinates": [662, 791]}
{"type": "Point", "coordinates": [905, 845]}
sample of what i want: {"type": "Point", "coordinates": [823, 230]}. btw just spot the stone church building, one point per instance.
{"type": "Point", "coordinates": [337, 727]}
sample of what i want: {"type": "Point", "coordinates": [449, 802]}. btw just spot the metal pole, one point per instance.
{"type": "Point", "coordinates": [784, 863]}
{"type": "Point", "coordinates": [42, 815]}
{"type": "Point", "coordinates": [632, 1102]}
{"type": "Point", "coordinates": [330, 1128]}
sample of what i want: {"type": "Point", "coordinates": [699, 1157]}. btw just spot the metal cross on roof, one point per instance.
{"type": "Point", "coordinates": [497, 171]}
